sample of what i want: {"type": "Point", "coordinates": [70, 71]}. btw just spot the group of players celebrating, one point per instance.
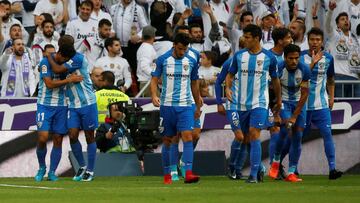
{"type": "Point", "coordinates": [301, 93]}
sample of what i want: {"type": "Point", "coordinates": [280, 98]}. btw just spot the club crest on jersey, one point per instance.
{"type": "Point", "coordinates": [259, 62]}
{"type": "Point", "coordinates": [112, 66]}
{"type": "Point", "coordinates": [321, 65]}
{"type": "Point", "coordinates": [186, 67]}
{"type": "Point", "coordinates": [43, 69]}
{"type": "Point", "coordinates": [298, 80]}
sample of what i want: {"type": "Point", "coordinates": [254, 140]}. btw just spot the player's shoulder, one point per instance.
{"type": "Point", "coordinates": [304, 52]}
{"type": "Point", "coordinates": [281, 66]}
{"type": "Point", "coordinates": [328, 55]}
{"type": "Point", "coordinates": [240, 52]}
{"type": "Point", "coordinates": [268, 53]}
{"type": "Point", "coordinates": [165, 56]}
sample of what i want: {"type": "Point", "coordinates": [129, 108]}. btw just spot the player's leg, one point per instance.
{"type": "Point", "coordinates": [233, 118]}
{"type": "Point", "coordinates": [185, 125]}
{"type": "Point", "coordinates": [167, 129]}
{"type": "Point", "coordinates": [89, 122]}
{"type": "Point", "coordinates": [73, 123]}
{"type": "Point", "coordinates": [257, 122]}
{"type": "Point", "coordinates": [59, 127]}
{"type": "Point", "coordinates": [274, 135]}
{"type": "Point", "coordinates": [322, 119]}
{"type": "Point", "coordinates": [174, 157]}
{"type": "Point", "coordinates": [44, 116]}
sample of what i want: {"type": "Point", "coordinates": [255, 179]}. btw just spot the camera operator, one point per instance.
{"type": "Point", "coordinates": [107, 94]}
{"type": "Point", "coordinates": [113, 136]}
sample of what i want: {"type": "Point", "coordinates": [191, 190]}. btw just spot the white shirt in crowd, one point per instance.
{"type": "Point", "coordinates": [305, 11]}
{"type": "Point", "coordinates": [281, 7]}
{"type": "Point", "coordinates": [5, 64]}
{"type": "Point", "coordinates": [55, 10]}
{"type": "Point", "coordinates": [146, 56]}
{"type": "Point", "coordinates": [126, 17]}
{"type": "Point", "coordinates": [94, 50]}
{"type": "Point", "coordinates": [209, 73]}
{"type": "Point", "coordinates": [351, 9]}
{"type": "Point", "coordinates": [101, 15]}
{"type": "Point", "coordinates": [40, 41]}
{"type": "Point", "coordinates": [80, 30]}
{"type": "Point", "coordinates": [5, 29]}
{"type": "Point", "coordinates": [118, 65]}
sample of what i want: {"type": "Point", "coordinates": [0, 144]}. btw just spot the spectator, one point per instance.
{"type": "Point", "coordinates": [146, 56]}
{"type": "Point", "coordinates": [207, 71]}
{"type": "Point", "coordinates": [115, 63]}
{"type": "Point", "coordinates": [97, 14]}
{"type": "Point", "coordinates": [7, 21]}
{"type": "Point", "coordinates": [25, 11]}
{"type": "Point", "coordinates": [82, 27]}
{"type": "Point", "coordinates": [129, 18]}
{"type": "Point", "coordinates": [96, 79]}
{"type": "Point", "coordinates": [56, 9]}
{"type": "Point", "coordinates": [267, 24]}
{"type": "Point", "coordinates": [93, 47]}
{"type": "Point", "coordinates": [197, 38]}
{"type": "Point", "coordinates": [38, 32]}
{"type": "Point", "coordinates": [278, 8]}
{"type": "Point", "coordinates": [352, 8]}
{"type": "Point", "coordinates": [107, 93]}
{"type": "Point", "coordinates": [40, 41]}
{"type": "Point", "coordinates": [343, 45]}
{"type": "Point", "coordinates": [298, 30]}
{"type": "Point", "coordinates": [18, 77]}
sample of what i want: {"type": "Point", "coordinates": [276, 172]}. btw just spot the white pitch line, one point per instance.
{"type": "Point", "coordinates": [33, 187]}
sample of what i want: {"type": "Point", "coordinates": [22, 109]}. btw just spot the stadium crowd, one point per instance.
{"type": "Point", "coordinates": [128, 41]}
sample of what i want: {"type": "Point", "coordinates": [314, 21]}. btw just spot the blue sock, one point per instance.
{"type": "Point", "coordinates": [188, 155]}
{"type": "Point", "coordinates": [91, 153]}
{"type": "Point", "coordinates": [285, 148]}
{"type": "Point", "coordinates": [329, 146]}
{"type": "Point", "coordinates": [272, 145]}
{"type": "Point", "coordinates": [41, 154]}
{"type": "Point", "coordinates": [295, 150]}
{"type": "Point", "coordinates": [174, 154]}
{"type": "Point", "coordinates": [165, 157]}
{"type": "Point", "coordinates": [242, 158]}
{"type": "Point", "coordinates": [255, 157]}
{"type": "Point", "coordinates": [55, 158]}
{"type": "Point", "coordinates": [77, 150]}
{"type": "Point", "coordinates": [234, 154]}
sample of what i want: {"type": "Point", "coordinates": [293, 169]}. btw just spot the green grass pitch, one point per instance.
{"type": "Point", "coordinates": [209, 189]}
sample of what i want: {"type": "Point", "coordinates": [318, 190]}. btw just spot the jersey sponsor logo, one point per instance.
{"type": "Point", "coordinates": [177, 75]}
{"type": "Point", "coordinates": [252, 72]}
{"type": "Point", "coordinates": [83, 36]}
{"type": "Point", "coordinates": [44, 69]}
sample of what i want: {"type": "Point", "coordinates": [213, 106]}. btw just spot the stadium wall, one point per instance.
{"type": "Point", "coordinates": [18, 138]}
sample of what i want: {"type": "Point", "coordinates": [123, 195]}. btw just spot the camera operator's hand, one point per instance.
{"type": "Point", "coordinates": [109, 135]}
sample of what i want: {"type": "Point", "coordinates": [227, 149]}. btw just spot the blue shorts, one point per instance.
{"type": "Point", "coordinates": [233, 118]}
{"type": "Point", "coordinates": [85, 118]}
{"type": "Point", "coordinates": [270, 119]}
{"type": "Point", "coordinates": [321, 118]}
{"type": "Point", "coordinates": [175, 119]}
{"type": "Point", "coordinates": [197, 123]}
{"type": "Point", "coordinates": [52, 119]}
{"type": "Point", "coordinates": [287, 111]}
{"type": "Point", "coordinates": [255, 118]}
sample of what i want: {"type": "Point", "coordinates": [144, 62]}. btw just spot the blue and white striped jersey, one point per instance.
{"type": "Point", "coordinates": [176, 75]}
{"type": "Point", "coordinates": [235, 88]}
{"type": "Point", "coordinates": [47, 96]}
{"type": "Point", "coordinates": [80, 94]}
{"type": "Point", "coordinates": [253, 71]}
{"type": "Point", "coordinates": [290, 81]}
{"type": "Point", "coordinates": [279, 58]}
{"type": "Point", "coordinates": [318, 97]}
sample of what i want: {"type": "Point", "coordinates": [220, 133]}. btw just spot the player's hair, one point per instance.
{"type": "Point", "coordinates": [15, 25]}
{"type": "Point", "coordinates": [66, 39]}
{"type": "Point", "coordinates": [181, 27]}
{"type": "Point", "coordinates": [340, 15]}
{"type": "Point", "coordinates": [195, 25]}
{"type": "Point", "coordinates": [108, 76]}
{"type": "Point", "coordinates": [110, 41]}
{"type": "Point", "coordinates": [103, 22]}
{"type": "Point", "coordinates": [212, 56]}
{"type": "Point", "coordinates": [246, 13]}
{"type": "Point", "coordinates": [6, 2]}
{"type": "Point", "coordinates": [182, 38]}
{"type": "Point", "coordinates": [49, 46]}
{"type": "Point", "coordinates": [254, 30]}
{"type": "Point", "coordinates": [315, 31]}
{"type": "Point", "coordinates": [67, 50]}
{"type": "Point", "coordinates": [290, 48]}
{"type": "Point", "coordinates": [279, 34]}
{"type": "Point", "coordinates": [87, 3]}
{"type": "Point", "coordinates": [47, 21]}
